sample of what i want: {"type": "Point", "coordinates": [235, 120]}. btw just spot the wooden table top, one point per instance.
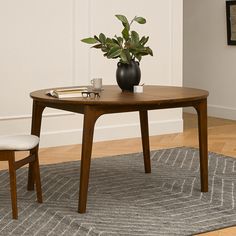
{"type": "Point", "coordinates": [112, 95]}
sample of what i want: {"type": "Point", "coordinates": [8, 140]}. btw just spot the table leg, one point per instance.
{"type": "Point", "coordinates": [35, 130]}
{"type": "Point", "coordinates": [202, 135]}
{"type": "Point", "coordinates": [143, 115]}
{"type": "Point", "coordinates": [90, 118]}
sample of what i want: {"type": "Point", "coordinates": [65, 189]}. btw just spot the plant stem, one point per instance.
{"type": "Point", "coordinates": [132, 21]}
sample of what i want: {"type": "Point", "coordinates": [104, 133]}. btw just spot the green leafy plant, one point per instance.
{"type": "Point", "coordinates": [126, 47]}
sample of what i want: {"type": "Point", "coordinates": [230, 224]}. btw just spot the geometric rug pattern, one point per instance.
{"type": "Point", "coordinates": [123, 200]}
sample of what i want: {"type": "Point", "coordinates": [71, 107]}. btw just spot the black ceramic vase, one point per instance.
{"type": "Point", "coordinates": [128, 75]}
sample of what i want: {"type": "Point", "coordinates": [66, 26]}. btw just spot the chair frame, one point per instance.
{"type": "Point", "coordinates": [32, 159]}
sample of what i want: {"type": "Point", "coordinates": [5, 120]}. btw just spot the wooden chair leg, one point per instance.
{"type": "Point", "coordinates": [12, 173]}
{"type": "Point", "coordinates": [30, 185]}
{"type": "Point", "coordinates": [37, 179]}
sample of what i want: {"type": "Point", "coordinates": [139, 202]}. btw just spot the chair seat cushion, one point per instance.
{"type": "Point", "coordinates": [18, 142]}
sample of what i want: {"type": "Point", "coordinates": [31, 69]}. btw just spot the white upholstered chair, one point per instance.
{"type": "Point", "coordinates": [8, 146]}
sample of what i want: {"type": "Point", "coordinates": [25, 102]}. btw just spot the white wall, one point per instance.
{"type": "Point", "coordinates": [209, 63]}
{"type": "Point", "coordinates": [41, 48]}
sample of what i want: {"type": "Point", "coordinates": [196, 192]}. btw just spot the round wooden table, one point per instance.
{"type": "Point", "coordinates": [113, 100]}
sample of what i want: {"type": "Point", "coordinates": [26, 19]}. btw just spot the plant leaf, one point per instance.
{"type": "Point", "coordinates": [124, 21]}
{"type": "Point", "coordinates": [115, 41]}
{"type": "Point", "coordinates": [150, 51]}
{"type": "Point", "coordinates": [97, 46]}
{"type": "Point", "coordinates": [123, 57]}
{"type": "Point", "coordinates": [108, 40]}
{"type": "Point", "coordinates": [105, 48]}
{"type": "Point", "coordinates": [128, 56]}
{"type": "Point", "coordinates": [89, 40]}
{"type": "Point", "coordinates": [114, 52]}
{"type": "Point", "coordinates": [138, 56]}
{"type": "Point", "coordinates": [112, 45]}
{"type": "Point", "coordinates": [135, 37]}
{"type": "Point", "coordinates": [120, 40]}
{"type": "Point", "coordinates": [122, 18]}
{"type": "Point", "coordinates": [143, 40]}
{"type": "Point", "coordinates": [143, 51]}
{"type": "Point", "coordinates": [96, 37]}
{"type": "Point", "coordinates": [140, 50]}
{"type": "Point", "coordinates": [102, 38]}
{"type": "Point", "coordinates": [112, 42]}
{"type": "Point", "coordinates": [125, 34]}
{"type": "Point", "coordinates": [140, 20]}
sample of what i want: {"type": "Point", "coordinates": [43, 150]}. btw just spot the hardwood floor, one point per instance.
{"type": "Point", "coordinates": [221, 138]}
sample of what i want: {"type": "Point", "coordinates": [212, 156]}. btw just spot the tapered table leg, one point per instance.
{"type": "Point", "coordinates": [143, 115]}
{"type": "Point", "coordinates": [35, 130]}
{"type": "Point", "coordinates": [202, 131]}
{"type": "Point", "coordinates": [90, 118]}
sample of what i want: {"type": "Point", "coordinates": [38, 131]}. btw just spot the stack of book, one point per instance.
{"type": "Point", "coordinates": [67, 92]}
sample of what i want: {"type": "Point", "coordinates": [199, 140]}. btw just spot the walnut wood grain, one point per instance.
{"type": "Point", "coordinates": [113, 100]}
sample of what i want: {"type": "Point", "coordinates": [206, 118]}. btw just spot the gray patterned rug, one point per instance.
{"type": "Point", "coordinates": [125, 201]}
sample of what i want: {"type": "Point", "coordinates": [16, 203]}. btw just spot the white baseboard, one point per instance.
{"type": "Point", "coordinates": [113, 132]}
{"type": "Point", "coordinates": [218, 111]}
{"type": "Point", "coordinates": [58, 128]}
{"type": "Point", "coordinates": [222, 112]}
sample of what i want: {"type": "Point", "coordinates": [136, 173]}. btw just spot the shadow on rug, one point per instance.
{"type": "Point", "coordinates": [123, 200]}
